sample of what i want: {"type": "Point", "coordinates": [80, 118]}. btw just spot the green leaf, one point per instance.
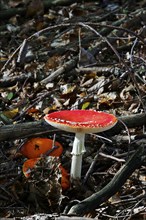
{"type": "Point", "coordinates": [10, 95]}
{"type": "Point", "coordinates": [85, 105]}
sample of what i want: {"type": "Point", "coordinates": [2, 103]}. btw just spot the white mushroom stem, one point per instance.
{"type": "Point", "coordinates": [77, 152]}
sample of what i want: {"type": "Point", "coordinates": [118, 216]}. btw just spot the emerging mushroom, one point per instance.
{"type": "Point", "coordinates": [31, 164]}
{"type": "Point", "coordinates": [80, 122]}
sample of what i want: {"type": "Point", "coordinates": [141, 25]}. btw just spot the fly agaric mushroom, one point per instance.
{"type": "Point", "coordinates": [80, 122]}
{"type": "Point", "coordinates": [31, 163]}
{"type": "Point", "coordinates": [34, 147]}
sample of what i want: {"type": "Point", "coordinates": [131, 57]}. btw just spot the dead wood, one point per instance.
{"type": "Point", "coordinates": [27, 129]}
{"type": "Point", "coordinates": [93, 202]}
{"type": "Point", "coordinates": [5, 14]}
{"type": "Point", "coordinates": [72, 218]}
{"type": "Point", "coordinates": [10, 132]}
{"type": "Point", "coordinates": [66, 67]}
{"type": "Point", "coordinates": [15, 79]}
{"type": "Point", "coordinates": [49, 216]}
{"type": "Point", "coordinates": [11, 12]}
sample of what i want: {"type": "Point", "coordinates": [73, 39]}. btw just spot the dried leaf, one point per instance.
{"type": "Point", "coordinates": [115, 198]}
{"type": "Point", "coordinates": [35, 7]}
{"type": "Point", "coordinates": [57, 102]}
{"type": "Point", "coordinates": [11, 113]}
{"type": "Point", "coordinates": [14, 3]}
{"type": "Point", "coordinates": [32, 110]}
{"type": "Point", "coordinates": [67, 88]}
{"type": "Point", "coordinates": [52, 63]}
{"type": "Point", "coordinates": [86, 58]}
{"type": "Point", "coordinates": [107, 98]}
{"type": "Point", "coordinates": [50, 109]}
{"type": "Point", "coordinates": [99, 86]}
{"type": "Point", "coordinates": [87, 83]}
{"type": "Point", "coordinates": [12, 28]}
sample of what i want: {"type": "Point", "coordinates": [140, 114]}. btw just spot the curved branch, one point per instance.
{"type": "Point", "coordinates": [93, 202]}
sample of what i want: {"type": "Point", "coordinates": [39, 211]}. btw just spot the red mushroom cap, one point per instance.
{"type": "Point", "coordinates": [84, 121]}
{"type": "Point", "coordinates": [34, 147]}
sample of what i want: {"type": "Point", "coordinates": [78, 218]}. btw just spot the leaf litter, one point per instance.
{"type": "Point", "coordinates": [77, 55]}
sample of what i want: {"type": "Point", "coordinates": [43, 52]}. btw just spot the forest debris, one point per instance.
{"type": "Point", "coordinates": [92, 202]}
{"type": "Point", "coordinates": [107, 47]}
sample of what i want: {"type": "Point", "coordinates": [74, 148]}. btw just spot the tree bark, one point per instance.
{"type": "Point", "coordinates": [23, 130]}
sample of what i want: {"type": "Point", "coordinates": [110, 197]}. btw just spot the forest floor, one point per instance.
{"type": "Point", "coordinates": [65, 55]}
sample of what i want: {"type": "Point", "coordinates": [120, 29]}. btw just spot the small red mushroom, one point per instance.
{"type": "Point", "coordinates": [65, 182]}
{"type": "Point", "coordinates": [34, 147]}
{"type": "Point", "coordinates": [30, 164]}
{"type": "Point", "coordinates": [80, 122]}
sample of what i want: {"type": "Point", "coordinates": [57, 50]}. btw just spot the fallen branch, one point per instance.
{"type": "Point", "coordinates": [28, 129]}
{"type": "Point", "coordinates": [65, 67]}
{"type": "Point", "coordinates": [17, 131]}
{"type": "Point", "coordinates": [93, 202]}
{"type": "Point", "coordinates": [72, 218]}
{"type": "Point", "coordinates": [11, 81]}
